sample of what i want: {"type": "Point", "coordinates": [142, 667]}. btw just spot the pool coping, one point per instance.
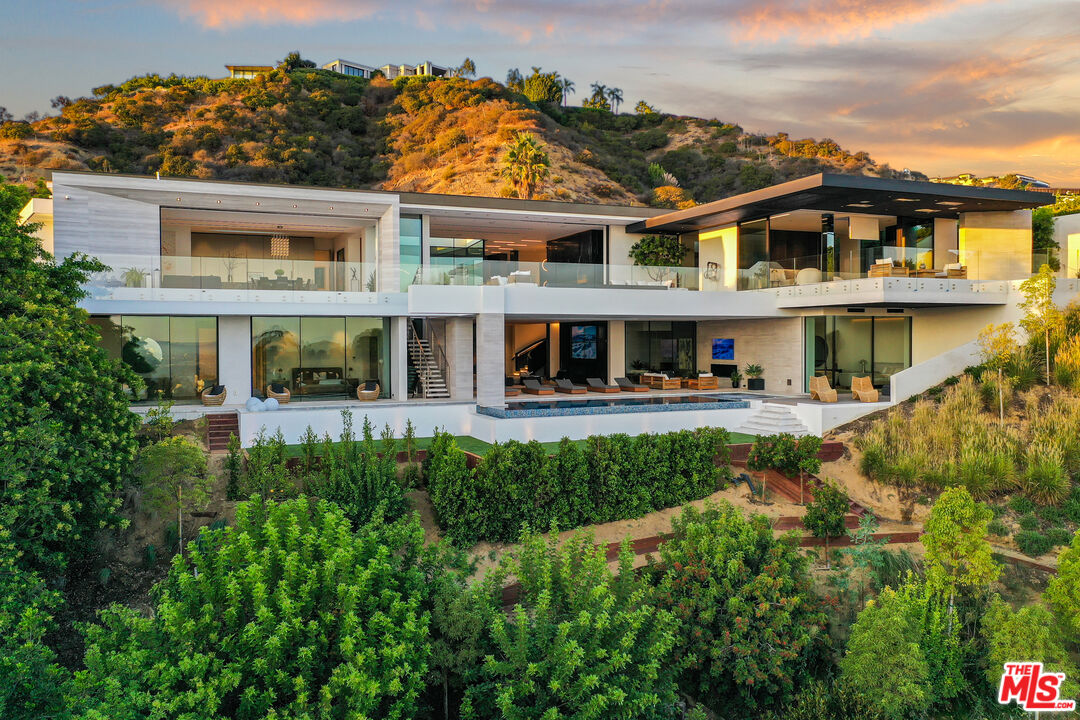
{"type": "Point", "coordinates": [505, 414]}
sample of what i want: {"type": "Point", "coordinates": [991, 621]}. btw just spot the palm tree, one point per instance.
{"type": "Point", "coordinates": [467, 69]}
{"type": "Point", "coordinates": [525, 164]}
{"type": "Point", "coordinates": [567, 88]}
{"type": "Point", "coordinates": [615, 96]}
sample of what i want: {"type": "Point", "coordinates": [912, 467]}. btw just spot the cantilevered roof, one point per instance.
{"type": "Point", "coordinates": [830, 192]}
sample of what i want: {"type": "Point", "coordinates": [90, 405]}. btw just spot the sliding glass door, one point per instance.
{"type": "Point", "coordinates": [843, 347]}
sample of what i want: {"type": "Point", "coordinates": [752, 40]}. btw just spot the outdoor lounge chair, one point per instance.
{"type": "Point", "coordinates": [533, 387]}
{"type": "Point", "coordinates": [820, 389]}
{"type": "Point", "coordinates": [367, 391]}
{"type": "Point", "coordinates": [565, 386]}
{"type": "Point", "coordinates": [862, 389]}
{"type": "Point", "coordinates": [214, 395]}
{"type": "Point", "coordinates": [626, 386]}
{"type": "Point", "coordinates": [704, 381]}
{"type": "Point", "coordinates": [598, 385]}
{"type": "Point", "coordinates": [279, 392]}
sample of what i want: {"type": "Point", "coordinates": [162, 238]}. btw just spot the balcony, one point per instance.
{"type": "Point", "coordinates": [237, 285]}
{"type": "Point", "coordinates": [477, 272]}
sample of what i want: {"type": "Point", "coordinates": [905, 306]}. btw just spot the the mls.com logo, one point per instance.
{"type": "Point", "coordinates": [1032, 689]}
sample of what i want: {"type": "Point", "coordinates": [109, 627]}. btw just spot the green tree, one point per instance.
{"type": "Point", "coordinates": [293, 61]}
{"type": "Point", "coordinates": [1042, 236]}
{"type": "Point", "coordinates": [67, 435]}
{"type": "Point", "coordinates": [568, 87]}
{"type": "Point", "coordinates": [644, 108]}
{"type": "Point", "coordinates": [750, 626]}
{"type": "Point", "coordinates": [285, 614]}
{"type": "Point", "coordinates": [1042, 317]}
{"type": "Point", "coordinates": [615, 95]}
{"type": "Point", "coordinates": [1028, 634]}
{"type": "Point", "coordinates": [825, 514]}
{"type": "Point", "coordinates": [958, 555]}
{"type": "Point", "coordinates": [514, 80]}
{"type": "Point", "coordinates": [543, 87]}
{"type": "Point", "coordinates": [997, 346]}
{"type": "Point", "coordinates": [580, 642]}
{"type": "Point", "coordinates": [525, 164]}
{"type": "Point", "coordinates": [174, 478]}
{"type": "Point", "coordinates": [466, 69]}
{"type": "Point", "coordinates": [599, 98]}
{"type": "Point", "coordinates": [1063, 592]}
{"type": "Point", "coordinates": [658, 252]}
{"type": "Point", "coordinates": [884, 661]}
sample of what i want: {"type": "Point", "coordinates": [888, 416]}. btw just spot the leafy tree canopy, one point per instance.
{"type": "Point", "coordinates": [957, 552]}
{"type": "Point", "coordinates": [750, 625]}
{"type": "Point", "coordinates": [658, 250]}
{"type": "Point", "coordinates": [286, 614]}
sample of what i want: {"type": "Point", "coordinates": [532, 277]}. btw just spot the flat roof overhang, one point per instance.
{"type": "Point", "coordinates": [830, 192]}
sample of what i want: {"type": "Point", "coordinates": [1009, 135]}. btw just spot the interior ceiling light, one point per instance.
{"type": "Point", "coordinates": [905, 200]}
{"type": "Point", "coordinates": [279, 246]}
{"type": "Point", "coordinates": [950, 203]}
{"type": "Point", "coordinates": [926, 210]}
{"type": "Point", "coordinates": [859, 205]}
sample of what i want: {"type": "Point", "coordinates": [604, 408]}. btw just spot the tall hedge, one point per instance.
{"type": "Point", "coordinates": [287, 614]}
{"type": "Point", "coordinates": [614, 477]}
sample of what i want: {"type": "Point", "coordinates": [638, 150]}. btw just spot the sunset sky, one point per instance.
{"type": "Point", "coordinates": [940, 86]}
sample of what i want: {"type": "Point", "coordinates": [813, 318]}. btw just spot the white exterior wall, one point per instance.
{"type": "Point", "coordinates": [776, 344]}
{"type": "Point", "coordinates": [234, 357]}
{"type": "Point", "coordinates": [459, 357]}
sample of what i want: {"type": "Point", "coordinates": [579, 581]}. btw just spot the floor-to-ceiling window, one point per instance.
{"type": "Point", "coordinates": [843, 347]}
{"type": "Point", "coordinates": [410, 240]}
{"type": "Point", "coordinates": [661, 346]}
{"type": "Point", "coordinates": [754, 265]}
{"type": "Point", "coordinates": [319, 356]}
{"type": "Point", "coordinates": [175, 356]}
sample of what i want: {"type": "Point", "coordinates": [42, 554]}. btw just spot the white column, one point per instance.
{"type": "Point", "coordinates": [616, 349]}
{"type": "Point", "coordinates": [553, 349]}
{"type": "Point", "coordinates": [234, 357]}
{"type": "Point", "coordinates": [459, 357]}
{"type": "Point", "coordinates": [399, 358]}
{"type": "Point", "coordinates": [490, 359]}
{"type": "Point", "coordinates": [388, 252]}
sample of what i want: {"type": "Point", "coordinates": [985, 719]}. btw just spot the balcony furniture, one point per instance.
{"type": "Point", "coordinates": [191, 282]}
{"type": "Point", "coordinates": [532, 387]}
{"type": "Point", "coordinates": [565, 386]}
{"type": "Point", "coordinates": [660, 381]}
{"type": "Point", "coordinates": [956, 271]}
{"type": "Point", "coordinates": [863, 390]}
{"type": "Point", "coordinates": [886, 268]}
{"type": "Point", "coordinates": [598, 385]}
{"type": "Point", "coordinates": [820, 389]}
{"type": "Point", "coordinates": [497, 280]}
{"type": "Point", "coordinates": [368, 390]}
{"type": "Point", "coordinates": [214, 395]}
{"type": "Point", "coordinates": [279, 392]}
{"type": "Point", "coordinates": [704, 381]}
{"type": "Point", "coordinates": [626, 386]}
{"type": "Point", "coordinates": [808, 276]}
{"type": "Point", "coordinates": [521, 277]}
{"type": "Point", "coordinates": [929, 272]}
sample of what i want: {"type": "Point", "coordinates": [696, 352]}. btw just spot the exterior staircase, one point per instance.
{"type": "Point", "coordinates": [220, 425]}
{"type": "Point", "coordinates": [773, 419]}
{"type": "Point", "coordinates": [422, 360]}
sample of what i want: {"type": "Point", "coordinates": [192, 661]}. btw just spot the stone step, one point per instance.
{"type": "Point", "coordinates": [773, 419]}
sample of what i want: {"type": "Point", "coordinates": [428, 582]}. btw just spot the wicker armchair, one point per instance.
{"type": "Point", "coordinates": [368, 390]}
{"type": "Point", "coordinates": [820, 389]}
{"type": "Point", "coordinates": [279, 392]}
{"type": "Point", "coordinates": [862, 389]}
{"type": "Point", "coordinates": [214, 395]}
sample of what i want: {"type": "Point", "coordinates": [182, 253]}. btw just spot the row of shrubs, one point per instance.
{"type": "Point", "coordinates": [606, 478]}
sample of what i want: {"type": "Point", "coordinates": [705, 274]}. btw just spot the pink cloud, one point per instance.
{"type": "Point", "coordinates": [816, 21]}
{"type": "Point", "coordinates": [219, 15]}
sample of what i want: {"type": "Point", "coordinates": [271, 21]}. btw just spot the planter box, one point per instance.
{"type": "Point", "coordinates": [755, 383]}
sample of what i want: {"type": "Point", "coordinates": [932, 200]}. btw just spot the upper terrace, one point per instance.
{"type": "Point", "coordinates": [818, 241]}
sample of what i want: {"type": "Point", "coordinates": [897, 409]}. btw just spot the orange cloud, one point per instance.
{"type": "Point", "coordinates": [835, 20]}
{"type": "Point", "coordinates": [218, 15]}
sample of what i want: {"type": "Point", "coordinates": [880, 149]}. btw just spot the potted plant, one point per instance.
{"type": "Point", "coordinates": [657, 254]}
{"type": "Point", "coordinates": [134, 277]}
{"type": "Point", "coordinates": [736, 379]}
{"type": "Point", "coordinates": [753, 374]}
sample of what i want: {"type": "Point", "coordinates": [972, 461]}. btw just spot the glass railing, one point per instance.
{"type": "Point", "coordinates": [980, 265]}
{"type": "Point", "coordinates": [227, 273]}
{"type": "Point", "coordinates": [468, 271]}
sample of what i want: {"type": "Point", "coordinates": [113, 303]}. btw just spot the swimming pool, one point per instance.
{"type": "Point", "coordinates": [611, 406]}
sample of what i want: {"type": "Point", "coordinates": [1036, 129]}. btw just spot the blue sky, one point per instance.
{"type": "Point", "coordinates": [941, 86]}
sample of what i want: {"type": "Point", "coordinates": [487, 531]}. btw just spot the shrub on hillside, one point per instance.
{"type": "Point", "coordinates": [285, 614]}
{"type": "Point", "coordinates": [1045, 479]}
{"type": "Point", "coordinates": [580, 641]}
{"type": "Point", "coordinates": [739, 594]}
{"type": "Point", "coordinates": [613, 477]}
{"type": "Point", "coordinates": [1033, 543]}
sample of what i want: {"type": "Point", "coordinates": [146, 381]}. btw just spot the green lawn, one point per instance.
{"type": "Point", "coordinates": [479, 447]}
